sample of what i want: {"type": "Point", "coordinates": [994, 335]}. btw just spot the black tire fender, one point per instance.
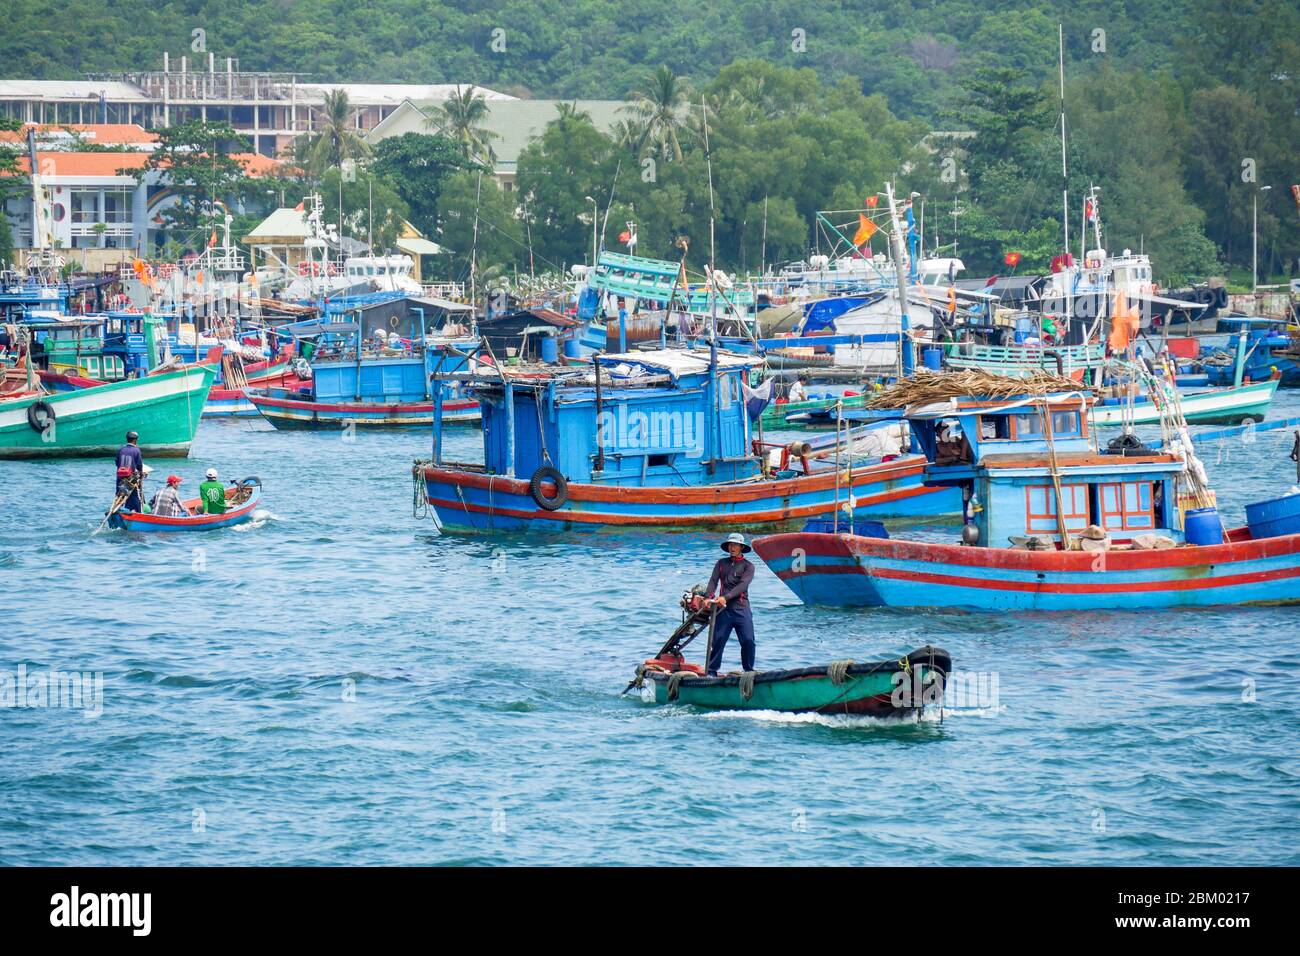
{"type": "Point", "coordinates": [547, 473]}
{"type": "Point", "coordinates": [40, 416]}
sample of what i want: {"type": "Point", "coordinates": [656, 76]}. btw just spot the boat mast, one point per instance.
{"type": "Point", "coordinates": [713, 295]}
{"type": "Point", "coordinates": [896, 244]}
{"type": "Point", "coordinates": [1065, 175]}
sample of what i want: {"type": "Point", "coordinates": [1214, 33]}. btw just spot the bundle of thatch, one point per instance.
{"type": "Point", "coordinates": [927, 386]}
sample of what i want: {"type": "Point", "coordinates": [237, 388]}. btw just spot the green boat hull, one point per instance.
{"type": "Point", "coordinates": [775, 415]}
{"type": "Point", "coordinates": [165, 409]}
{"type": "Point", "coordinates": [896, 688]}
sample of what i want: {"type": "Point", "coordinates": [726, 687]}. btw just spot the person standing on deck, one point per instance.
{"type": "Point", "coordinates": [130, 457]}
{"type": "Point", "coordinates": [212, 494]}
{"type": "Point", "coordinates": [732, 576]}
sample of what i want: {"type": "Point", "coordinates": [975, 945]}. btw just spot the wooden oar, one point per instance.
{"type": "Point", "coordinates": [118, 502]}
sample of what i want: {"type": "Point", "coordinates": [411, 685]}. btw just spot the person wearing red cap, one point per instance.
{"type": "Point", "coordinates": [167, 503]}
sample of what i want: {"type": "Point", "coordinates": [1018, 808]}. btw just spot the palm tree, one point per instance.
{"type": "Point", "coordinates": [461, 118]}
{"type": "Point", "coordinates": [658, 107]}
{"type": "Point", "coordinates": [336, 138]}
{"type": "Point", "coordinates": [629, 134]}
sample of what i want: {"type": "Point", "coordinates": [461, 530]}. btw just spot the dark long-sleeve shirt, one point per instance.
{"type": "Point", "coordinates": [128, 456]}
{"type": "Point", "coordinates": [732, 580]}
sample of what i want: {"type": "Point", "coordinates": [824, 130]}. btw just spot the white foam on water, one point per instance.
{"type": "Point", "coordinates": [260, 517]}
{"type": "Point", "coordinates": [837, 721]}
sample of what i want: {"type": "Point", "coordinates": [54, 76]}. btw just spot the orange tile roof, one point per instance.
{"type": "Point", "coordinates": [109, 164]}
{"type": "Point", "coordinates": [114, 134]}
{"type": "Point", "coordinates": [84, 164]}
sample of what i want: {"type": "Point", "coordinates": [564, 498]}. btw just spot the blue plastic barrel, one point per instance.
{"type": "Point", "coordinates": [932, 356]}
{"type": "Point", "coordinates": [571, 348]}
{"type": "Point", "coordinates": [550, 350]}
{"type": "Point", "coordinates": [1274, 518]}
{"type": "Point", "coordinates": [1202, 526]}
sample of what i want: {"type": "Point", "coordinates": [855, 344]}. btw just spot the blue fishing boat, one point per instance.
{"type": "Point", "coordinates": [659, 439]}
{"type": "Point", "coordinates": [355, 382]}
{"type": "Point", "coordinates": [1051, 522]}
{"type": "Point", "coordinates": [1257, 350]}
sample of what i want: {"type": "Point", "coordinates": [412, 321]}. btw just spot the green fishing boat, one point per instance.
{"type": "Point", "coordinates": [900, 687]}
{"type": "Point", "coordinates": [164, 408]}
{"type": "Point", "coordinates": [777, 414]}
{"type": "Point", "coordinates": [893, 688]}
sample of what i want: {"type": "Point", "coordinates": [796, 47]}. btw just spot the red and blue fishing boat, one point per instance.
{"type": "Point", "coordinates": [1051, 522]}
{"type": "Point", "coordinates": [242, 499]}
{"type": "Point", "coordinates": [659, 439]}
{"type": "Point", "coordinates": [355, 383]}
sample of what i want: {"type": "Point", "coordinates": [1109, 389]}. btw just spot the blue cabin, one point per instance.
{"type": "Point", "coordinates": [1022, 461]}
{"type": "Point", "coordinates": [641, 419]}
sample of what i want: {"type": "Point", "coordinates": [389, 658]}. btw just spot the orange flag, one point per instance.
{"type": "Point", "coordinates": [1124, 323]}
{"type": "Point", "coordinates": [866, 229]}
{"type": "Point", "coordinates": [212, 240]}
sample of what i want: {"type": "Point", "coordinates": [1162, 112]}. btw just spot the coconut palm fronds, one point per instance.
{"type": "Point", "coordinates": [926, 386]}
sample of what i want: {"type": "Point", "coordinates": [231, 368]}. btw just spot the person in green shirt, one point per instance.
{"type": "Point", "coordinates": [212, 494]}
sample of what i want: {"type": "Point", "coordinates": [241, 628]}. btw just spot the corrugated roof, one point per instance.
{"type": "Point", "coordinates": [114, 90]}
{"type": "Point", "coordinates": [392, 94]}
{"type": "Point", "coordinates": [59, 163]}
{"type": "Point", "coordinates": [284, 223]}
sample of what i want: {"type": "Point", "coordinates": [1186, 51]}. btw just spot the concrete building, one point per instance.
{"type": "Point", "coordinates": [270, 109]}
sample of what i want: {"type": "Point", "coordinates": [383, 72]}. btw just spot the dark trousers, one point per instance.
{"type": "Point", "coordinates": [741, 621]}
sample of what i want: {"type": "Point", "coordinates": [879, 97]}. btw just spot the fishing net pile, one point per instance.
{"type": "Point", "coordinates": [927, 386]}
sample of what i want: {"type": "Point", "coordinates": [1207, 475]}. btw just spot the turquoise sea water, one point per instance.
{"type": "Point", "coordinates": [342, 685]}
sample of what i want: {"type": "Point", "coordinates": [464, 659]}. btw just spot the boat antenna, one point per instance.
{"type": "Point", "coordinates": [1065, 175]}
{"type": "Point", "coordinates": [473, 253]}
{"type": "Point", "coordinates": [713, 288]}
{"type": "Point", "coordinates": [605, 221]}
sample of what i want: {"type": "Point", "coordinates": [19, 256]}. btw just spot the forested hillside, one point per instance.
{"type": "Point", "coordinates": [1180, 110]}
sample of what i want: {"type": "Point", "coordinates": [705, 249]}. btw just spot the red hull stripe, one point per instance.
{"type": "Point", "coordinates": [610, 517]}
{"type": "Point", "coordinates": [359, 408]}
{"type": "Point", "coordinates": [1031, 587]}
{"type": "Point", "coordinates": [697, 494]}
{"type": "Point", "coordinates": [979, 560]}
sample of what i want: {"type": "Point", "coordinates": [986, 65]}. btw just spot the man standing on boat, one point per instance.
{"type": "Point", "coordinates": [732, 576]}
{"type": "Point", "coordinates": [130, 458]}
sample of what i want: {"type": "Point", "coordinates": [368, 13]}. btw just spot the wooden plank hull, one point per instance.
{"type": "Point", "coordinates": [847, 570]}
{"type": "Point", "coordinates": [473, 501]}
{"type": "Point", "coordinates": [884, 689]}
{"type": "Point", "coordinates": [294, 413]}
{"type": "Point", "coordinates": [1229, 406]}
{"type": "Point", "coordinates": [89, 422]}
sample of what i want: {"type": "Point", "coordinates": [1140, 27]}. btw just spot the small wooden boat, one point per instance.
{"type": "Point", "coordinates": [893, 688]}
{"type": "Point", "coordinates": [242, 500]}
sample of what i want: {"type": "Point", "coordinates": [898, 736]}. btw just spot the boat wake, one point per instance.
{"type": "Point", "coordinates": [260, 517]}
{"type": "Point", "coordinates": [834, 721]}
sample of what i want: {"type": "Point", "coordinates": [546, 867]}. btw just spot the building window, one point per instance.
{"type": "Point", "coordinates": [1040, 508]}
{"type": "Point", "coordinates": [1127, 506]}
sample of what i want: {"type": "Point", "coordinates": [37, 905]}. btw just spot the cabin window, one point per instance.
{"type": "Point", "coordinates": [1040, 508]}
{"type": "Point", "coordinates": [660, 460]}
{"type": "Point", "coordinates": [1127, 506]}
{"type": "Point", "coordinates": [1065, 424]}
{"type": "Point", "coordinates": [92, 367]}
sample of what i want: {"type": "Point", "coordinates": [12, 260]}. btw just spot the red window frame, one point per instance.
{"type": "Point", "coordinates": [1123, 513]}
{"type": "Point", "coordinates": [1043, 521]}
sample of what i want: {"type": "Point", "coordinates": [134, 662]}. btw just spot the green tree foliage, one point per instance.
{"type": "Point", "coordinates": [500, 247]}
{"type": "Point", "coordinates": [1220, 70]}
{"type": "Point", "coordinates": [196, 160]}
{"type": "Point", "coordinates": [336, 138]}
{"type": "Point", "coordinates": [417, 165]}
{"type": "Point", "coordinates": [12, 182]}
{"type": "Point", "coordinates": [368, 199]}
{"type": "Point", "coordinates": [461, 118]}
